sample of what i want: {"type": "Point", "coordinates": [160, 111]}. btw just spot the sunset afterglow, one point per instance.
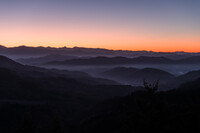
{"type": "Point", "coordinates": [165, 25]}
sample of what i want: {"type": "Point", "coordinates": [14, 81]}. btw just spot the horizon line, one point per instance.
{"type": "Point", "coordinates": [30, 46]}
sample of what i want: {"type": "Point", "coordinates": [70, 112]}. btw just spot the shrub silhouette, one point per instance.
{"type": "Point", "coordinates": [151, 88]}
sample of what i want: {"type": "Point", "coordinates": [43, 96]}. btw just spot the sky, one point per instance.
{"type": "Point", "coordinates": [152, 25]}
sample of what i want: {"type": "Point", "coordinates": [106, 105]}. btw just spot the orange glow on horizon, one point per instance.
{"type": "Point", "coordinates": [165, 26]}
{"type": "Point", "coordinates": [138, 40]}
{"type": "Point", "coordinates": [128, 48]}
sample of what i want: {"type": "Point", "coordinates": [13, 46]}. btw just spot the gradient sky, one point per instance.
{"type": "Point", "coordinates": [157, 25]}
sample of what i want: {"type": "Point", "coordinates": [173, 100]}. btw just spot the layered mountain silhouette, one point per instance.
{"type": "Point", "coordinates": [44, 59]}
{"type": "Point", "coordinates": [119, 72]}
{"type": "Point", "coordinates": [22, 51]}
{"type": "Point", "coordinates": [137, 76]}
{"type": "Point", "coordinates": [8, 63]}
{"type": "Point", "coordinates": [190, 60]}
{"type": "Point", "coordinates": [46, 92]}
{"type": "Point", "coordinates": [190, 76]}
{"type": "Point", "coordinates": [52, 100]}
{"type": "Point", "coordinates": [101, 60]}
{"type": "Point", "coordinates": [143, 111]}
{"type": "Point", "coordinates": [114, 61]}
{"type": "Point", "coordinates": [31, 71]}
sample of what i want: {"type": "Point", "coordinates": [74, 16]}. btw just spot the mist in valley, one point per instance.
{"type": "Point", "coordinates": [161, 66]}
{"type": "Point", "coordinates": [75, 93]}
{"type": "Point", "coordinates": [94, 70]}
{"type": "Point", "coordinates": [99, 66]}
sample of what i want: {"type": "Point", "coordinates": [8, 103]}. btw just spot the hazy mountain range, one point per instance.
{"type": "Point", "coordinates": [113, 76]}
{"type": "Point", "coordinates": [136, 76]}
{"type": "Point", "coordinates": [26, 71]}
{"type": "Point", "coordinates": [21, 51]}
{"type": "Point", "coordinates": [44, 90]}
{"type": "Point", "coordinates": [32, 95]}
{"type": "Point", "coordinates": [101, 60]}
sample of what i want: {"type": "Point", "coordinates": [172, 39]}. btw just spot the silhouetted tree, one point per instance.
{"type": "Point", "coordinates": [151, 88]}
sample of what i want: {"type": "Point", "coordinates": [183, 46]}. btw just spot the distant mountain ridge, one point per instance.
{"type": "Point", "coordinates": [79, 51]}
{"type": "Point", "coordinates": [46, 58]}
{"type": "Point", "coordinates": [131, 75]}
{"type": "Point", "coordinates": [136, 76]}
{"type": "Point", "coordinates": [102, 60]}
{"type": "Point", "coordinates": [31, 71]}
{"type": "Point", "coordinates": [55, 100]}
{"type": "Point", "coordinates": [191, 60]}
{"type": "Point", "coordinates": [45, 91]}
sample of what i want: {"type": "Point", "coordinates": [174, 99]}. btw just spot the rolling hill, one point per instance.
{"type": "Point", "coordinates": [43, 94]}
{"type": "Point", "coordinates": [102, 60]}
{"type": "Point", "coordinates": [190, 76]}
{"type": "Point", "coordinates": [114, 61]}
{"type": "Point", "coordinates": [31, 71]}
{"type": "Point", "coordinates": [136, 76]}
{"type": "Point", "coordinates": [142, 111]}
{"type": "Point", "coordinates": [44, 59]}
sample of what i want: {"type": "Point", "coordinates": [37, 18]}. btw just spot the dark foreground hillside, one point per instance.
{"type": "Point", "coordinates": [44, 99]}
{"type": "Point", "coordinates": [149, 111]}
{"type": "Point", "coordinates": [142, 111]}
{"type": "Point", "coordinates": [37, 100]}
